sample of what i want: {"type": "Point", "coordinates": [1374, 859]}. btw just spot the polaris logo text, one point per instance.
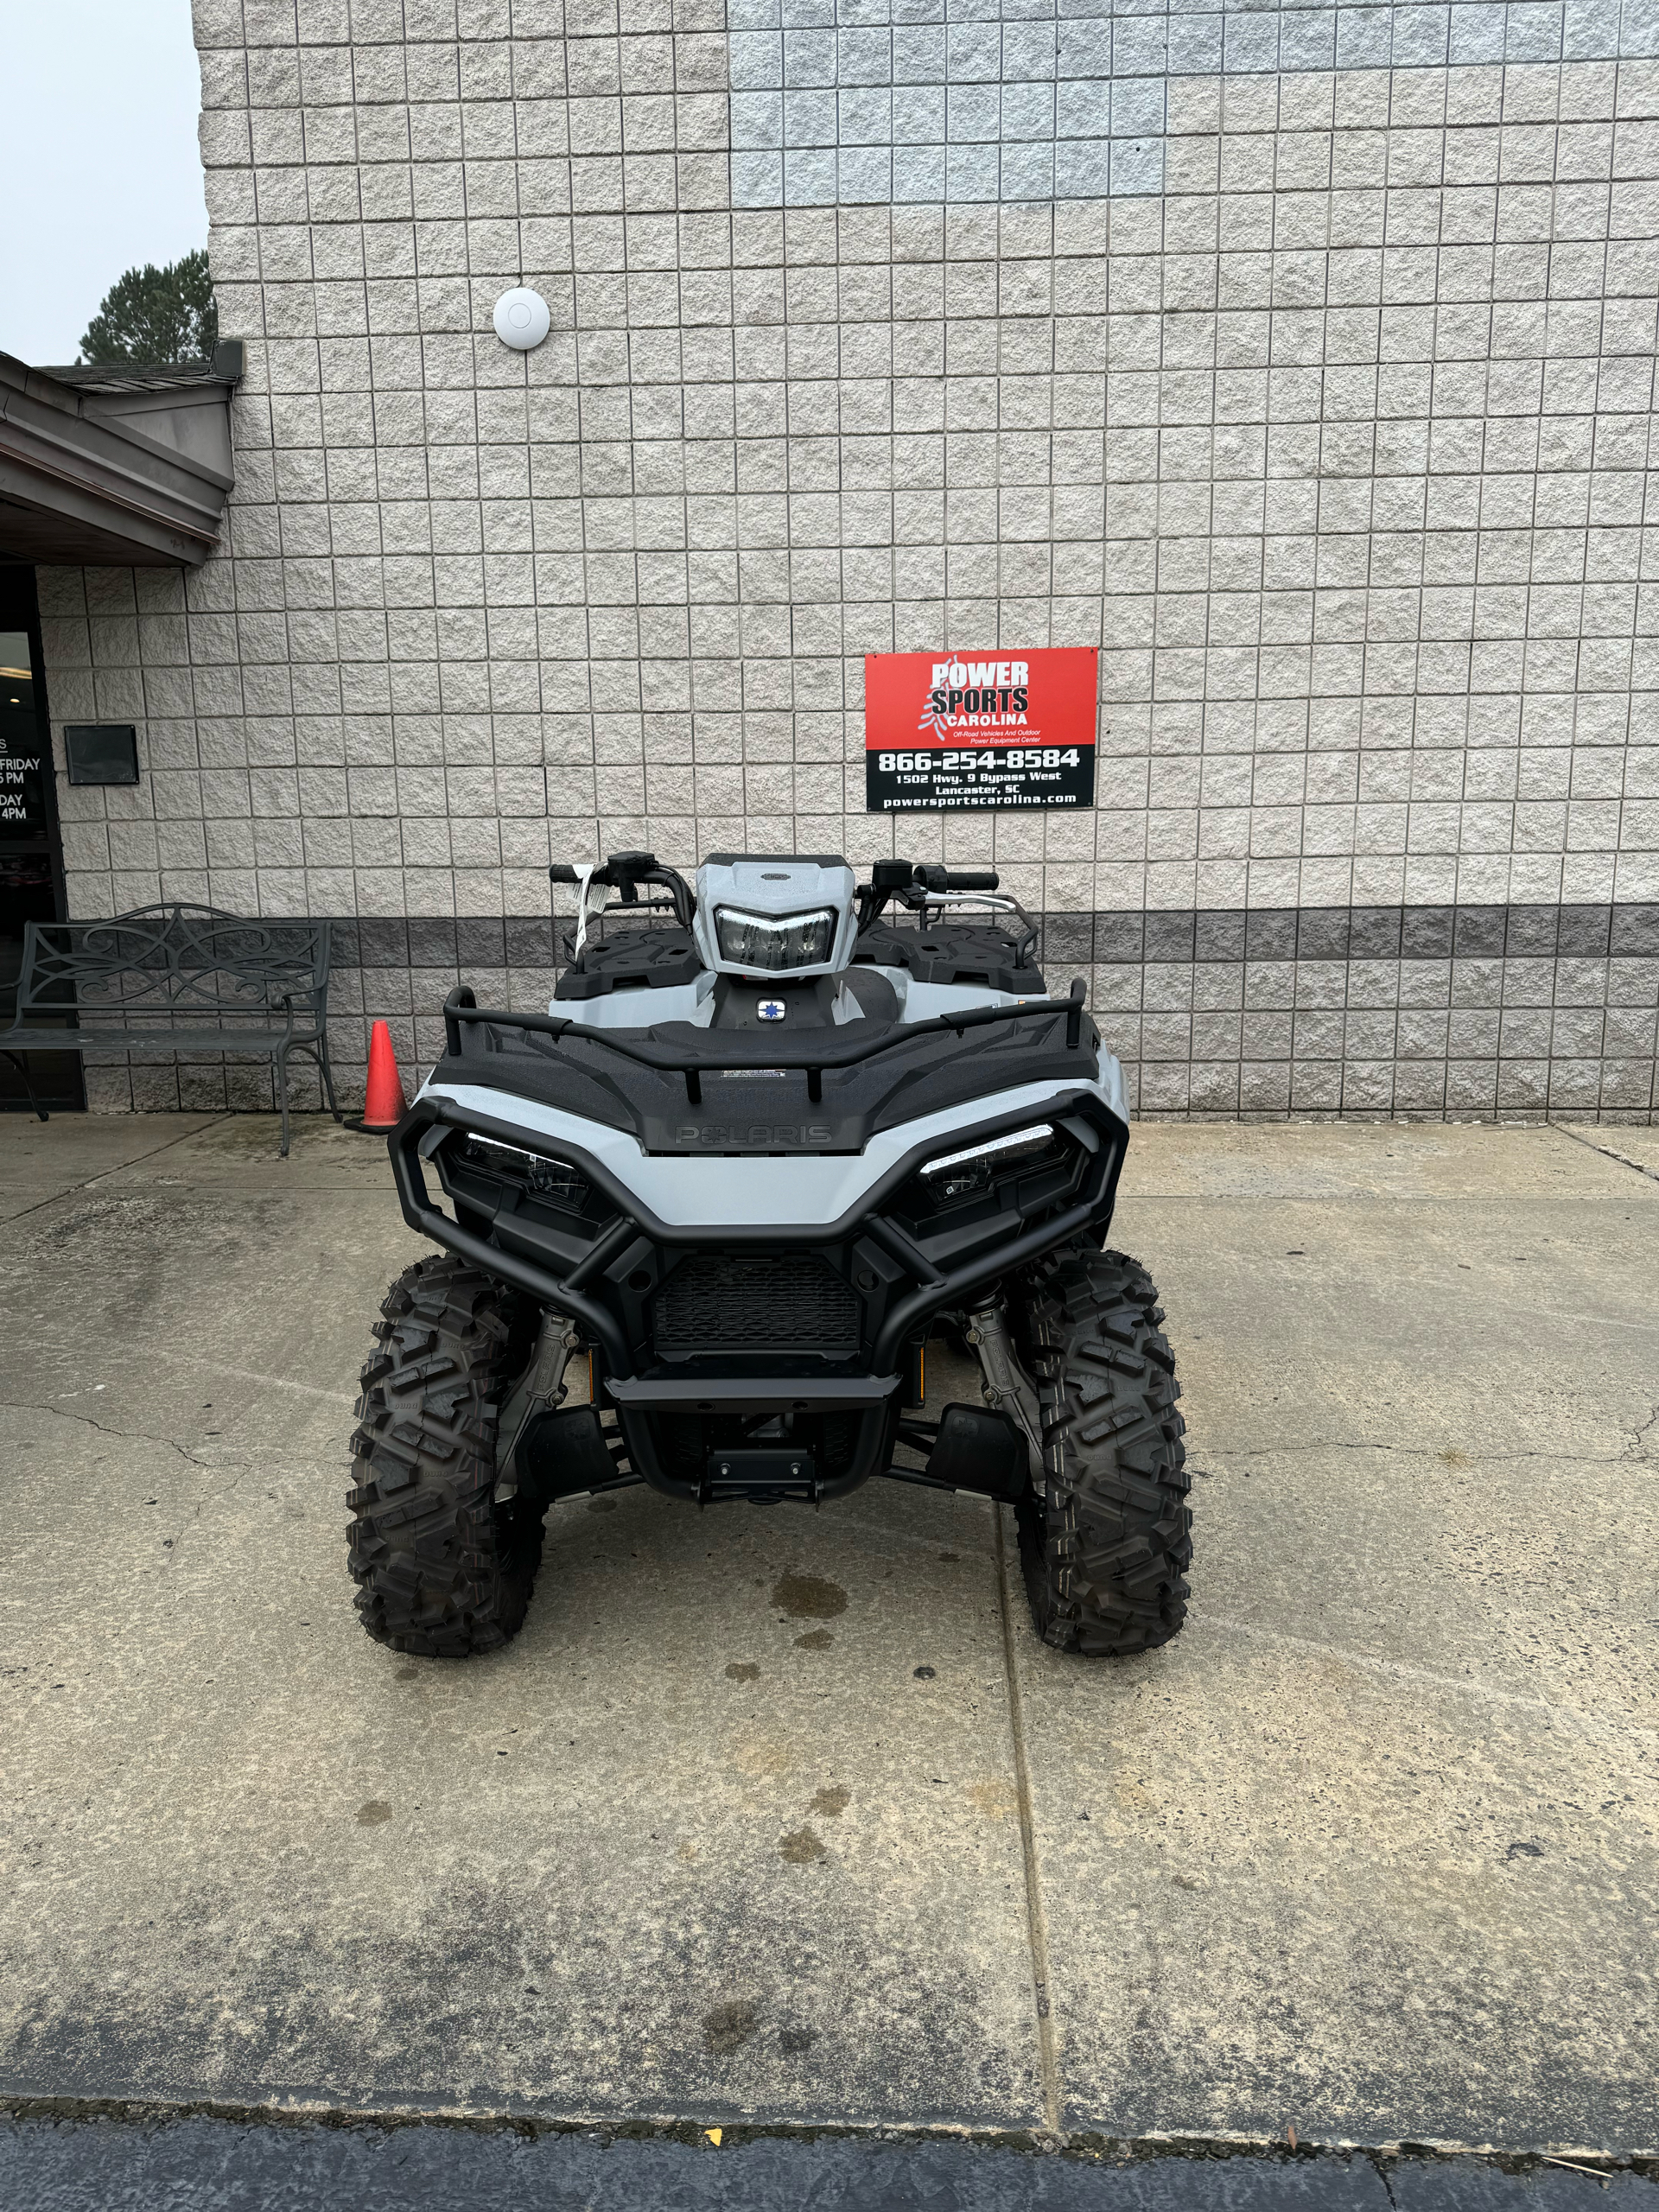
{"type": "Point", "coordinates": [752, 1136]}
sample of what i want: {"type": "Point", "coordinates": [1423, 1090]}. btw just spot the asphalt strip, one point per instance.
{"type": "Point", "coordinates": [52, 2163]}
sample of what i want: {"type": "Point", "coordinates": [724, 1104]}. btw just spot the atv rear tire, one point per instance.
{"type": "Point", "coordinates": [442, 1568]}
{"type": "Point", "coordinates": [1105, 1547]}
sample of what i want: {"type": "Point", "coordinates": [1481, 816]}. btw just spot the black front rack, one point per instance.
{"type": "Point", "coordinates": [461, 1006]}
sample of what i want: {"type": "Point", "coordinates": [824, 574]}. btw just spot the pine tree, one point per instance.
{"type": "Point", "coordinates": [153, 316]}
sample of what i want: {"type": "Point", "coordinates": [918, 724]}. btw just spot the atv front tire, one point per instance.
{"type": "Point", "coordinates": [442, 1568]}
{"type": "Point", "coordinates": [1106, 1547]}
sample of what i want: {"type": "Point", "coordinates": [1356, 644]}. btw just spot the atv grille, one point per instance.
{"type": "Point", "coordinates": [785, 1301]}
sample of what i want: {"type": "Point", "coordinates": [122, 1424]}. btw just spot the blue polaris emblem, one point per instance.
{"type": "Point", "coordinates": [772, 1009]}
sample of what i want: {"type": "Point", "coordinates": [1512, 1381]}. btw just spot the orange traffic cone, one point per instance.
{"type": "Point", "coordinates": [384, 1105]}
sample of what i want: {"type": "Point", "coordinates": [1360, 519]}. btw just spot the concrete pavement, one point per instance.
{"type": "Point", "coordinates": [786, 1819]}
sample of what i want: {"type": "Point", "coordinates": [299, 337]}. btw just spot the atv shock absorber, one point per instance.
{"type": "Point", "coordinates": [1008, 1388]}
{"type": "Point", "coordinates": [542, 1387]}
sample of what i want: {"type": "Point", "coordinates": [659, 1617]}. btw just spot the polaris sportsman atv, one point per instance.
{"type": "Point", "coordinates": [704, 1215]}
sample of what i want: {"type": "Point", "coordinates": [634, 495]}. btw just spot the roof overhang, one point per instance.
{"type": "Point", "coordinates": [117, 466]}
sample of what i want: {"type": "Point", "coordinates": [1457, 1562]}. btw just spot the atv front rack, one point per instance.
{"type": "Point", "coordinates": [731, 1056]}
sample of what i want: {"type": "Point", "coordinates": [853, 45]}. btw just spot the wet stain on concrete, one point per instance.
{"type": "Point", "coordinates": [801, 1848]}
{"type": "Point", "coordinates": [795, 2040]}
{"type": "Point", "coordinates": [376, 1996]}
{"type": "Point", "coordinates": [139, 1228]}
{"type": "Point", "coordinates": [834, 1801]}
{"type": "Point", "coordinates": [816, 1639]}
{"type": "Point", "coordinates": [926, 1673]}
{"type": "Point", "coordinates": [742, 1670]}
{"type": "Point", "coordinates": [762, 1755]}
{"type": "Point", "coordinates": [372, 1815]}
{"type": "Point", "coordinates": [808, 1597]}
{"type": "Point", "coordinates": [729, 2026]}
{"type": "Point", "coordinates": [601, 1505]}
{"type": "Point", "coordinates": [249, 1136]}
{"type": "Point", "coordinates": [995, 1799]}
{"type": "Point", "coordinates": [407, 1675]}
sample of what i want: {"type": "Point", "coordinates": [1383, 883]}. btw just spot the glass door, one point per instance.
{"type": "Point", "coordinates": [31, 852]}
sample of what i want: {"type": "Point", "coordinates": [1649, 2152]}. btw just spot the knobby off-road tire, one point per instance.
{"type": "Point", "coordinates": [1106, 1549]}
{"type": "Point", "coordinates": [442, 1569]}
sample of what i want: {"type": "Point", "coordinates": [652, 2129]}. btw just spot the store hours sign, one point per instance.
{"type": "Point", "coordinates": [957, 730]}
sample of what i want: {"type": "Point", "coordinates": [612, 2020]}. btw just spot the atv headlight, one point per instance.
{"type": "Point", "coordinates": [965, 1174]}
{"type": "Point", "coordinates": [771, 942]}
{"type": "Point", "coordinates": [531, 1171]}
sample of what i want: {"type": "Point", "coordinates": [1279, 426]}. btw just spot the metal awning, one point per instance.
{"type": "Point", "coordinates": [116, 466]}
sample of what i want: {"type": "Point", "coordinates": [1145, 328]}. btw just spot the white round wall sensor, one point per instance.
{"type": "Point", "coordinates": [521, 318]}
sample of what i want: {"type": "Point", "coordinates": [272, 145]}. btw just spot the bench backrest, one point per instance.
{"type": "Point", "coordinates": [174, 964]}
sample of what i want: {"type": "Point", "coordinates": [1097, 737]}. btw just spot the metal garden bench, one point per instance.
{"type": "Point", "coordinates": [179, 978]}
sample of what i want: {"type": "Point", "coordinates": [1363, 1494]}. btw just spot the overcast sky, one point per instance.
{"type": "Point", "coordinates": [98, 164]}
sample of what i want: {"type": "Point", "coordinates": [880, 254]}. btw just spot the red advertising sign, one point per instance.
{"type": "Point", "coordinates": [953, 730]}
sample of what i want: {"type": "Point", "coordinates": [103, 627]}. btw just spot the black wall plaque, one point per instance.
{"type": "Point", "coordinates": [101, 752]}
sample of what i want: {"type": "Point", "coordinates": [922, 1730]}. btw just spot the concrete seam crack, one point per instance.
{"type": "Point", "coordinates": [1606, 1151]}
{"type": "Point", "coordinates": [1036, 1920]}
{"type": "Point", "coordinates": [248, 1374]}
{"type": "Point", "coordinates": [1369, 1663]}
{"type": "Point", "coordinates": [1424, 1451]}
{"type": "Point", "coordinates": [126, 1435]}
{"type": "Point", "coordinates": [75, 1189]}
{"type": "Point", "coordinates": [1271, 2154]}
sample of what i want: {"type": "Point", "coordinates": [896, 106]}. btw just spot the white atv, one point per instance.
{"type": "Point", "coordinates": [706, 1213]}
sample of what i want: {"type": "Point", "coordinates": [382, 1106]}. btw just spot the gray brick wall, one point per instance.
{"type": "Point", "coordinates": [1319, 396]}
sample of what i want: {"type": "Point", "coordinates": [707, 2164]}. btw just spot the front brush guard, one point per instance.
{"type": "Point", "coordinates": [573, 1292]}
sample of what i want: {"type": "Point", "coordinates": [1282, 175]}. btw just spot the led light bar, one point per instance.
{"type": "Point", "coordinates": [995, 1152]}
{"type": "Point", "coordinates": [772, 943]}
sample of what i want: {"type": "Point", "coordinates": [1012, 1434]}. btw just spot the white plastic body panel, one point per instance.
{"type": "Point", "coordinates": [756, 1189]}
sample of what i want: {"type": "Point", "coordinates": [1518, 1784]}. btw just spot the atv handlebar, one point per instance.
{"type": "Point", "coordinates": [917, 884]}
{"type": "Point", "coordinates": [912, 883]}
{"type": "Point", "coordinates": [624, 872]}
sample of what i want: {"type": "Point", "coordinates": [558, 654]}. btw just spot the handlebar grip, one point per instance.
{"type": "Point", "coordinates": [562, 872]}
{"type": "Point", "coordinates": [929, 876]}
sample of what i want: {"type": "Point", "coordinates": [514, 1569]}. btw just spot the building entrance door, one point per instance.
{"type": "Point", "coordinates": [31, 849]}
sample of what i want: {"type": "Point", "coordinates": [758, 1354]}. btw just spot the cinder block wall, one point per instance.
{"type": "Point", "coordinates": [1301, 358]}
